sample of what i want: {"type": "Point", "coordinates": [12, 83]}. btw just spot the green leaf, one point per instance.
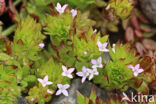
{"type": "Point", "coordinates": [81, 99]}
{"type": "Point", "coordinates": [93, 95]}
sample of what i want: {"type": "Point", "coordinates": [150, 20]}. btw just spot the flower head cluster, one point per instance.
{"type": "Point", "coordinates": [136, 69]}
{"type": "Point", "coordinates": [62, 88]}
{"type": "Point", "coordinates": [87, 72]}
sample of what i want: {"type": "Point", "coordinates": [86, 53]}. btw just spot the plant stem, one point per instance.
{"type": "Point", "coordinates": [9, 30]}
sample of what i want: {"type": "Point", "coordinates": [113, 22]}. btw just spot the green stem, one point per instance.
{"type": "Point", "coordinates": [9, 30]}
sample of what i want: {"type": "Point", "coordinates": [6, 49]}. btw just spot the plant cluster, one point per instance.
{"type": "Point", "coordinates": [53, 44]}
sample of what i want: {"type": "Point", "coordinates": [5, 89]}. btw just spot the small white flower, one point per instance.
{"type": "Point", "coordinates": [50, 92]}
{"type": "Point", "coordinates": [113, 49]}
{"type": "Point", "coordinates": [136, 69]}
{"type": "Point", "coordinates": [41, 45]}
{"type": "Point", "coordinates": [61, 9]}
{"type": "Point", "coordinates": [97, 63]}
{"type": "Point", "coordinates": [62, 89]}
{"type": "Point", "coordinates": [102, 47]}
{"type": "Point", "coordinates": [67, 72]}
{"type": "Point", "coordinates": [85, 53]}
{"type": "Point", "coordinates": [92, 73]}
{"type": "Point", "coordinates": [74, 13]}
{"type": "Point", "coordinates": [83, 74]}
{"type": "Point", "coordinates": [44, 81]}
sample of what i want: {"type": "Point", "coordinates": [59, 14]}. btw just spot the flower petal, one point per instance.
{"type": "Point", "coordinates": [49, 83]}
{"type": "Point", "coordinates": [135, 74]}
{"type": "Point", "coordinates": [66, 86]}
{"type": "Point", "coordinates": [69, 76]}
{"type": "Point", "coordinates": [40, 80]}
{"type": "Point", "coordinates": [79, 74]}
{"type": "Point", "coordinates": [84, 69]}
{"type": "Point", "coordinates": [100, 66]}
{"type": "Point", "coordinates": [64, 74]}
{"type": "Point", "coordinates": [64, 68]}
{"type": "Point", "coordinates": [140, 70]}
{"type": "Point", "coordinates": [94, 66]}
{"type": "Point", "coordinates": [83, 79]}
{"type": "Point", "coordinates": [93, 61]}
{"type": "Point", "coordinates": [106, 50]}
{"type": "Point", "coordinates": [104, 44]}
{"type": "Point", "coordinates": [99, 43]}
{"type": "Point", "coordinates": [131, 67]}
{"type": "Point", "coordinates": [43, 84]}
{"type": "Point", "coordinates": [59, 86]}
{"type": "Point", "coordinates": [99, 60]}
{"type": "Point", "coordinates": [58, 92]}
{"type": "Point", "coordinates": [46, 78]}
{"type": "Point", "coordinates": [64, 7]}
{"type": "Point", "coordinates": [89, 70]}
{"type": "Point", "coordinates": [70, 70]}
{"type": "Point", "coordinates": [65, 92]}
{"type": "Point", "coordinates": [58, 5]}
{"type": "Point", "coordinates": [137, 66]}
{"type": "Point", "coordinates": [91, 76]}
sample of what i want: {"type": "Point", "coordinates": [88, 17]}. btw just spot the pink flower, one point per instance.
{"type": "Point", "coordinates": [74, 13]}
{"type": "Point", "coordinates": [83, 74]}
{"type": "Point", "coordinates": [67, 72]}
{"type": "Point", "coordinates": [62, 89]}
{"type": "Point", "coordinates": [102, 47]}
{"type": "Point", "coordinates": [61, 9]}
{"type": "Point", "coordinates": [136, 69]}
{"type": "Point", "coordinates": [97, 63]}
{"type": "Point", "coordinates": [44, 81]}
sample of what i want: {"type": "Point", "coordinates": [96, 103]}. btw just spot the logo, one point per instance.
{"type": "Point", "coordinates": [138, 98]}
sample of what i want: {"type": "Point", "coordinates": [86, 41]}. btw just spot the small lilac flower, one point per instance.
{"type": "Point", "coordinates": [41, 45]}
{"type": "Point", "coordinates": [113, 49]}
{"type": "Point", "coordinates": [61, 9]}
{"type": "Point", "coordinates": [62, 89]}
{"type": "Point", "coordinates": [83, 74]}
{"type": "Point", "coordinates": [74, 13]}
{"type": "Point", "coordinates": [92, 73]}
{"type": "Point", "coordinates": [68, 72]}
{"type": "Point", "coordinates": [44, 81]}
{"type": "Point", "coordinates": [136, 69]}
{"type": "Point", "coordinates": [97, 63]}
{"type": "Point", "coordinates": [102, 47]}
